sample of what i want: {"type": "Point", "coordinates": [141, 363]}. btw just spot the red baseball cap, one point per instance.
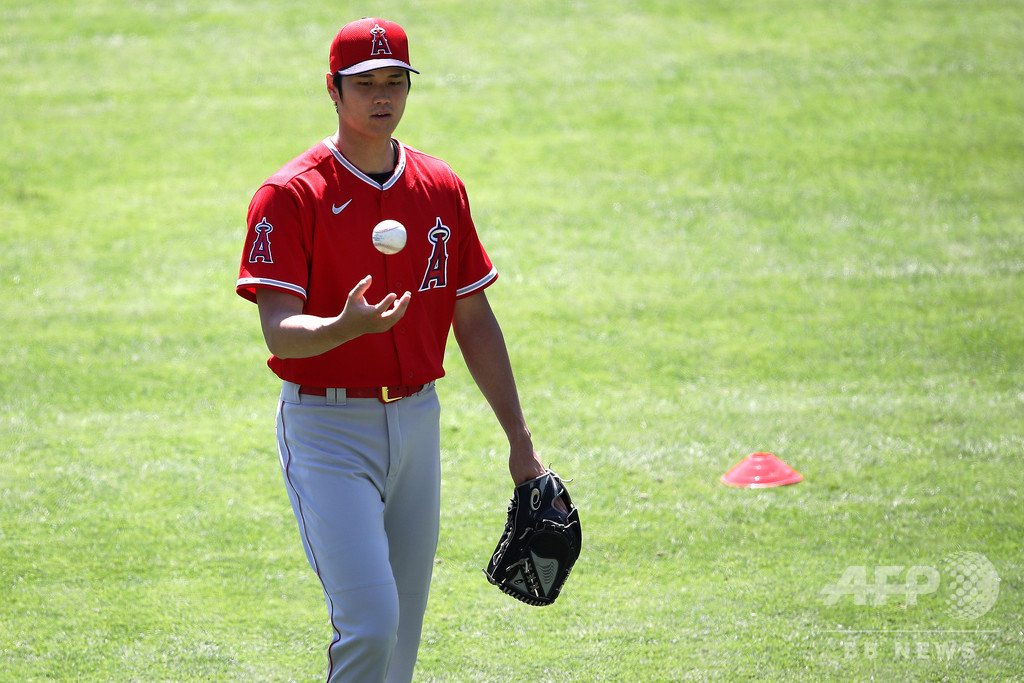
{"type": "Point", "coordinates": [369, 44]}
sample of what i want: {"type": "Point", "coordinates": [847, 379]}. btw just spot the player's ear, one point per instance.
{"type": "Point", "coordinates": [332, 88]}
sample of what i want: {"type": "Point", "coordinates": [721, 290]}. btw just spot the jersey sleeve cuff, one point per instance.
{"type": "Point", "coordinates": [246, 287]}
{"type": "Point", "coordinates": [479, 285]}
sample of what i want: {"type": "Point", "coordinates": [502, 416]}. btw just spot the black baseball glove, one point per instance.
{"type": "Point", "coordinates": [540, 544]}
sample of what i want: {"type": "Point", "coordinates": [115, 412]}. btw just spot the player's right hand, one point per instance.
{"type": "Point", "coordinates": [361, 317]}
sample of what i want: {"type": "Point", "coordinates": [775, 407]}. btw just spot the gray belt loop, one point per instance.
{"type": "Point", "coordinates": [336, 397]}
{"type": "Point", "coordinates": [290, 392]}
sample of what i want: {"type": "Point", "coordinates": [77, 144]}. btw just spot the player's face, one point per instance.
{"type": "Point", "coordinates": [372, 103]}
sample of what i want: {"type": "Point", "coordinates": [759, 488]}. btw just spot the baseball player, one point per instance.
{"type": "Point", "coordinates": [358, 337]}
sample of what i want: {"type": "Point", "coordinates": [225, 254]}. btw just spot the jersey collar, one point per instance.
{"type": "Point", "coordinates": [399, 167]}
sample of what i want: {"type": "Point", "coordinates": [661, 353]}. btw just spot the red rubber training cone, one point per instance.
{"type": "Point", "coordinates": [761, 470]}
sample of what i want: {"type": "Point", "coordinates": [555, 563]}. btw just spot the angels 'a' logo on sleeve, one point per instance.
{"type": "Point", "coordinates": [261, 245]}
{"type": "Point", "coordinates": [437, 266]}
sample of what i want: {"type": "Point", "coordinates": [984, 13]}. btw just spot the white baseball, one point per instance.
{"type": "Point", "coordinates": [389, 236]}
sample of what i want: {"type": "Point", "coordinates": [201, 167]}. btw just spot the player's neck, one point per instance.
{"type": "Point", "coordinates": [369, 155]}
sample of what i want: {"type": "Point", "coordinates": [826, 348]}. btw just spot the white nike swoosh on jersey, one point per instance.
{"type": "Point", "coordinates": [339, 209]}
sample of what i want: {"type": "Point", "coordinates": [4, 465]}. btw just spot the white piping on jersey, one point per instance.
{"type": "Point", "coordinates": [395, 175]}
{"type": "Point", "coordinates": [479, 284]}
{"type": "Point", "coordinates": [267, 282]}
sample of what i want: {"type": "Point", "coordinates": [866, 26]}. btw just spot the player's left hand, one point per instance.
{"type": "Point", "coordinates": [524, 463]}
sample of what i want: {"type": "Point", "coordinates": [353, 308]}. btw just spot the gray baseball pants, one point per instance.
{"type": "Point", "coordinates": [363, 478]}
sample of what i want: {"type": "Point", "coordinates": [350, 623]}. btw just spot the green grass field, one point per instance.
{"type": "Point", "coordinates": [722, 227]}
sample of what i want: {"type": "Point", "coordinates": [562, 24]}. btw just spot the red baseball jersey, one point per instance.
{"type": "Point", "coordinates": [309, 234]}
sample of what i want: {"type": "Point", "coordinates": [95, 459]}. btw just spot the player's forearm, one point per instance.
{"type": "Point", "coordinates": [487, 359]}
{"type": "Point", "coordinates": [304, 336]}
{"type": "Point", "coordinates": [492, 373]}
{"type": "Point", "coordinates": [290, 333]}
{"type": "Point", "coordinates": [483, 348]}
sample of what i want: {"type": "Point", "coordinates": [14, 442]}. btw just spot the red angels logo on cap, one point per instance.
{"type": "Point", "coordinates": [379, 45]}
